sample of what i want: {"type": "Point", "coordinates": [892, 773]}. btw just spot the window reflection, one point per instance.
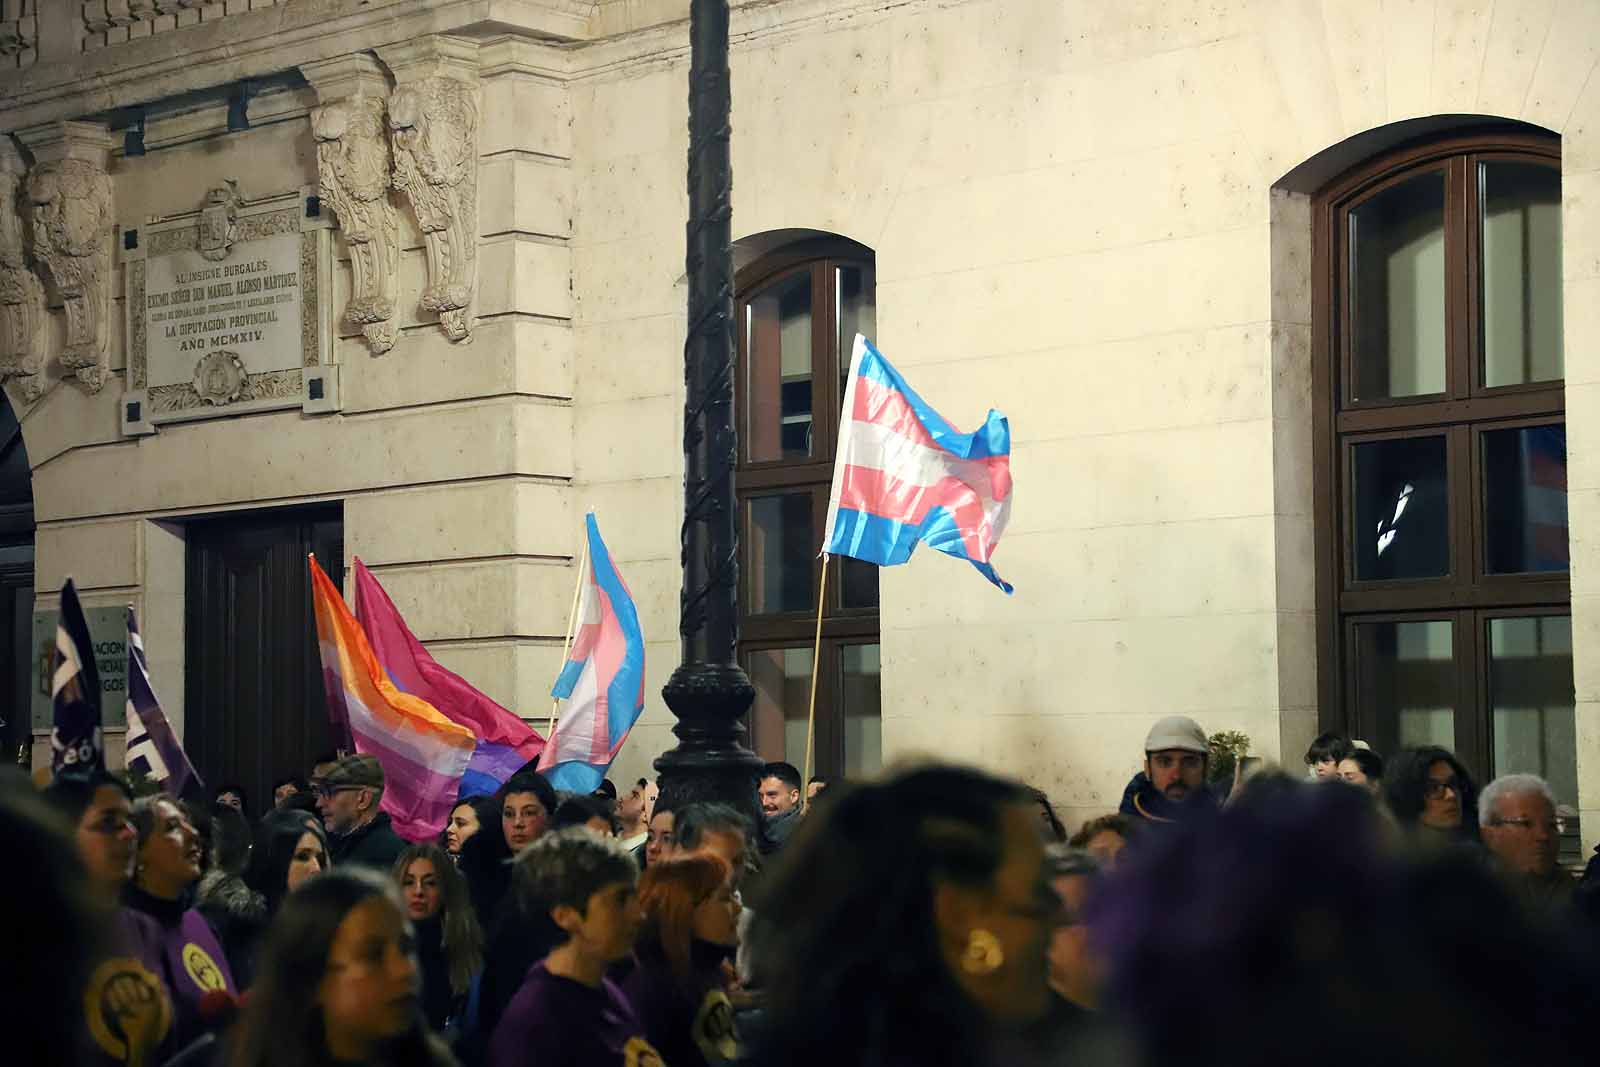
{"type": "Point", "coordinates": [1402, 509]}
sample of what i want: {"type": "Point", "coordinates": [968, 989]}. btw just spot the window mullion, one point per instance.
{"type": "Point", "coordinates": [1459, 304]}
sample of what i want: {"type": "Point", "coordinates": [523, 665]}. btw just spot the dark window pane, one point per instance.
{"type": "Point", "coordinates": [780, 544]}
{"type": "Point", "coordinates": [1521, 227]}
{"type": "Point", "coordinates": [1406, 682]}
{"type": "Point", "coordinates": [782, 680]}
{"type": "Point", "coordinates": [857, 314]}
{"type": "Point", "coordinates": [778, 400]}
{"type": "Point", "coordinates": [1532, 701]}
{"type": "Point", "coordinates": [1402, 502]}
{"type": "Point", "coordinates": [1397, 291]}
{"type": "Point", "coordinates": [863, 716]}
{"type": "Point", "coordinates": [1525, 499]}
{"type": "Point", "coordinates": [858, 583]}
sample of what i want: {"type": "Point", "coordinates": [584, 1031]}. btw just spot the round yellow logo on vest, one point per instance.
{"type": "Point", "coordinates": [202, 968]}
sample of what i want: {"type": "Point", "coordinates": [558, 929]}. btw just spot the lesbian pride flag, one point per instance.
{"type": "Point", "coordinates": [423, 753]}
{"type": "Point", "coordinates": [904, 476]}
{"type": "Point", "coordinates": [505, 742]}
{"type": "Point", "coordinates": [603, 680]}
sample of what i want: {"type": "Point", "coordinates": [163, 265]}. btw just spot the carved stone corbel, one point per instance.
{"type": "Point", "coordinates": [22, 308]}
{"type": "Point", "coordinates": [433, 115]}
{"type": "Point", "coordinates": [354, 173]}
{"type": "Point", "coordinates": [69, 199]}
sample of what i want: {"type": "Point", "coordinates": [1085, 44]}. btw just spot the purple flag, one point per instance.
{"type": "Point", "coordinates": [153, 749]}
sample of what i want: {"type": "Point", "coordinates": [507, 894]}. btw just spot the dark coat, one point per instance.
{"type": "Point", "coordinates": [691, 1025]}
{"type": "Point", "coordinates": [239, 916]}
{"type": "Point", "coordinates": [1141, 801]}
{"type": "Point", "coordinates": [374, 845]}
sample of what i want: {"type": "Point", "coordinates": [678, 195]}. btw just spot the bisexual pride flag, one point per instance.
{"type": "Point", "coordinates": [505, 743]}
{"type": "Point", "coordinates": [153, 748]}
{"type": "Point", "coordinates": [603, 680]}
{"type": "Point", "coordinates": [904, 476]}
{"type": "Point", "coordinates": [423, 754]}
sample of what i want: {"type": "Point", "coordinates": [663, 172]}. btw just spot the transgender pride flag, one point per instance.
{"type": "Point", "coordinates": [603, 680]}
{"type": "Point", "coordinates": [423, 753]}
{"type": "Point", "coordinates": [904, 476]}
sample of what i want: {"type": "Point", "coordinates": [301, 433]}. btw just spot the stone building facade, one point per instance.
{"type": "Point", "coordinates": [1097, 216]}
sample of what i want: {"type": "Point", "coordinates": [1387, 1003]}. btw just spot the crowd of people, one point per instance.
{"type": "Point", "coordinates": [1370, 910]}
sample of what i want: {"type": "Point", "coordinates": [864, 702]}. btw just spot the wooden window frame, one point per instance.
{"type": "Point", "coordinates": [813, 474]}
{"type": "Point", "coordinates": [1467, 594]}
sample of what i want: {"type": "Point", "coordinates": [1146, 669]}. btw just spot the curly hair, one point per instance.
{"type": "Point", "coordinates": [1405, 787]}
{"type": "Point", "coordinates": [566, 868]}
{"type": "Point", "coordinates": [846, 920]}
{"type": "Point", "coordinates": [1120, 825]}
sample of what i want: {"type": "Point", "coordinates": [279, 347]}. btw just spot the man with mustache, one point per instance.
{"type": "Point", "coordinates": [1173, 782]}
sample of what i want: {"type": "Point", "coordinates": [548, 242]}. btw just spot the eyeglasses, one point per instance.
{"type": "Point", "coordinates": [1434, 790]}
{"type": "Point", "coordinates": [325, 791]}
{"type": "Point", "coordinates": [1555, 826]}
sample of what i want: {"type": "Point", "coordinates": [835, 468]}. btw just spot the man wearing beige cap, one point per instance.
{"type": "Point", "coordinates": [1173, 782]}
{"type": "Point", "coordinates": [359, 833]}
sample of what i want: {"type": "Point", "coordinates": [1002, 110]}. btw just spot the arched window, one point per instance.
{"type": "Point", "coordinates": [1440, 473]}
{"type": "Point", "coordinates": [798, 312]}
{"type": "Point", "coordinates": [17, 656]}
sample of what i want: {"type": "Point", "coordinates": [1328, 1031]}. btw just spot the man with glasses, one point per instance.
{"type": "Point", "coordinates": [348, 796]}
{"type": "Point", "coordinates": [1517, 818]}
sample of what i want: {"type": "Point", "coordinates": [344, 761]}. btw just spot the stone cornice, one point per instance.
{"type": "Point", "coordinates": [258, 43]}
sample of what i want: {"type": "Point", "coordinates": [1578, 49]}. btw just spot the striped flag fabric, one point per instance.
{"type": "Point", "coordinates": [423, 754]}
{"type": "Point", "coordinates": [505, 743]}
{"type": "Point", "coordinates": [602, 681]}
{"type": "Point", "coordinates": [903, 476]}
{"type": "Point", "coordinates": [153, 748]}
{"type": "Point", "coordinates": [77, 744]}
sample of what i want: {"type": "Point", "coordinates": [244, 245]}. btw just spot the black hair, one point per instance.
{"type": "Point", "coordinates": [299, 783]}
{"type": "Point", "coordinates": [283, 1023]}
{"type": "Point", "coordinates": [786, 773]}
{"type": "Point", "coordinates": [70, 794]}
{"type": "Point", "coordinates": [1328, 746]}
{"type": "Point", "coordinates": [607, 789]}
{"type": "Point", "coordinates": [1058, 832]}
{"type": "Point", "coordinates": [236, 788]}
{"type": "Point", "coordinates": [230, 840]}
{"type": "Point", "coordinates": [530, 781]}
{"type": "Point", "coordinates": [564, 868]}
{"type": "Point", "coordinates": [820, 779]}
{"type": "Point", "coordinates": [62, 929]}
{"type": "Point", "coordinates": [577, 810]}
{"type": "Point", "coordinates": [1405, 787]}
{"type": "Point", "coordinates": [846, 923]}
{"type": "Point", "coordinates": [692, 822]}
{"type": "Point", "coordinates": [1370, 762]}
{"type": "Point", "coordinates": [277, 836]}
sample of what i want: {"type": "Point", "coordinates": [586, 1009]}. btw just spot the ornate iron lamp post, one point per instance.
{"type": "Point", "coordinates": [709, 693]}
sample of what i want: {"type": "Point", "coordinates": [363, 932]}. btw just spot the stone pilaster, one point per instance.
{"type": "Point", "coordinates": [433, 118]}
{"type": "Point", "coordinates": [69, 204]}
{"type": "Point", "coordinates": [355, 168]}
{"type": "Point", "coordinates": [22, 307]}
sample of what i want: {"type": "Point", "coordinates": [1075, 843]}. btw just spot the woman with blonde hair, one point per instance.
{"type": "Point", "coordinates": [448, 939]}
{"type": "Point", "coordinates": [682, 957]}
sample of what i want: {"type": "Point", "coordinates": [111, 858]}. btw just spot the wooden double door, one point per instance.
{"type": "Point", "coordinates": [254, 709]}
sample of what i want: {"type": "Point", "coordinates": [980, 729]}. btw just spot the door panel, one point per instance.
{"type": "Point", "coordinates": [254, 708]}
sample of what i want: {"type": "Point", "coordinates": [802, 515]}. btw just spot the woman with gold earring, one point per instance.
{"type": "Point", "coordinates": [906, 923]}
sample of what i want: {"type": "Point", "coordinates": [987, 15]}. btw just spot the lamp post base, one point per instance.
{"type": "Point", "coordinates": [710, 762]}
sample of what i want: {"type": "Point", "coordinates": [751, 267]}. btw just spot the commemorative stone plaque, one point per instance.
{"type": "Point", "coordinates": [227, 311]}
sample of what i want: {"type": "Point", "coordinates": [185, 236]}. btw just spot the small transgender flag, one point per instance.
{"type": "Point", "coordinates": [904, 476]}
{"type": "Point", "coordinates": [603, 680]}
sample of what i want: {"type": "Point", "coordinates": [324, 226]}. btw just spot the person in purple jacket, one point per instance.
{"type": "Point", "coordinates": [567, 1013]}
{"type": "Point", "coordinates": [178, 945]}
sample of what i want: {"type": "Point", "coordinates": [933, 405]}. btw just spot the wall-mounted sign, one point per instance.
{"type": "Point", "coordinates": [108, 629]}
{"type": "Point", "coordinates": [227, 311]}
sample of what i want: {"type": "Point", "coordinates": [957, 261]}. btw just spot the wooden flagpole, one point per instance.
{"type": "Point", "coordinates": [572, 624]}
{"type": "Point", "coordinates": [816, 662]}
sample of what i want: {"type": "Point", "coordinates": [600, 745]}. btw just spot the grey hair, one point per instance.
{"type": "Point", "coordinates": [693, 821]}
{"type": "Point", "coordinates": [1511, 785]}
{"type": "Point", "coordinates": [1065, 862]}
